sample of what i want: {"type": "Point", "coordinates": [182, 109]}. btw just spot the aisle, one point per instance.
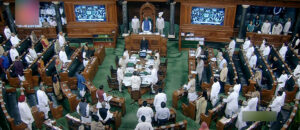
{"type": "Point", "coordinates": [176, 76]}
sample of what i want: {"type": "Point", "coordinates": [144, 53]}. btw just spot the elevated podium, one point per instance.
{"type": "Point", "coordinates": [156, 42]}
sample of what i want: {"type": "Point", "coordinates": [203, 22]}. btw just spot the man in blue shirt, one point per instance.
{"type": "Point", "coordinates": [81, 85]}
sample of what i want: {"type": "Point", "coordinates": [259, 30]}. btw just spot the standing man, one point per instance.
{"type": "Point", "coordinates": [61, 39]}
{"type": "Point", "coordinates": [146, 25]}
{"type": "Point", "coordinates": [143, 125]}
{"type": "Point", "coordinates": [159, 98]}
{"type": "Point", "coordinates": [136, 82]}
{"type": "Point", "coordinates": [199, 69]}
{"type": "Point", "coordinates": [191, 88]}
{"type": "Point", "coordinates": [120, 76]}
{"type": "Point", "coordinates": [25, 112]}
{"type": "Point", "coordinates": [160, 23]}
{"type": "Point", "coordinates": [43, 100]}
{"type": "Point", "coordinates": [7, 32]}
{"type": "Point", "coordinates": [153, 77]}
{"type": "Point", "coordinates": [223, 76]}
{"type": "Point", "coordinates": [266, 27]}
{"type": "Point", "coordinates": [145, 111]}
{"type": "Point", "coordinates": [162, 115]}
{"type": "Point", "coordinates": [232, 103]}
{"type": "Point", "coordinates": [214, 93]}
{"type": "Point", "coordinates": [83, 108]}
{"type": "Point", "coordinates": [283, 50]}
{"type": "Point", "coordinates": [14, 40]}
{"type": "Point", "coordinates": [198, 51]}
{"type": "Point", "coordinates": [277, 29]}
{"type": "Point", "coordinates": [231, 47]}
{"type": "Point", "coordinates": [135, 24]}
{"type": "Point", "coordinates": [81, 85]}
{"type": "Point", "coordinates": [63, 56]}
{"type": "Point", "coordinates": [144, 44]}
{"type": "Point", "coordinates": [287, 26]}
{"type": "Point", "coordinates": [18, 66]}
{"type": "Point", "coordinates": [13, 53]}
{"type": "Point", "coordinates": [253, 61]}
{"type": "Point", "coordinates": [32, 52]}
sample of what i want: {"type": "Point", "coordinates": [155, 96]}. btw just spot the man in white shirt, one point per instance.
{"type": "Point", "coordinates": [253, 61]}
{"type": "Point", "coordinates": [61, 39]}
{"type": "Point", "coordinates": [249, 51]}
{"type": "Point", "coordinates": [266, 27]}
{"type": "Point", "coordinates": [198, 51]}
{"type": "Point", "coordinates": [126, 54]}
{"type": "Point", "coordinates": [85, 61]}
{"type": "Point", "coordinates": [232, 103]}
{"type": "Point", "coordinates": [32, 52]}
{"type": "Point", "coordinates": [191, 88]}
{"type": "Point", "coordinates": [25, 112]}
{"type": "Point", "coordinates": [252, 102]}
{"type": "Point", "coordinates": [120, 76]}
{"type": "Point", "coordinates": [222, 62]}
{"type": "Point", "coordinates": [231, 47]}
{"type": "Point", "coordinates": [266, 52]}
{"type": "Point", "coordinates": [135, 24]}
{"type": "Point", "coordinates": [29, 59]}
{"type": "Point", "coordinates": [283, 50]}
{"type": "Point", "coordinates": [7, 32]}
{"type": "Point", "coordinates": [43, 101]}
{"type": "Point", "coordinates": [160, 23]}
{"type": "Point", "coordinates": [287, 26]}
{"type": "Point", "coordinates": [14, 40]}
{"type": "Point", "coordinates": [145, 111]}
{"type": "Point", "coordinates": [13, 53]}
{"type": "Point", "coordinates": [162, 115]}
{"type": "Point", "coordinates": [143, 125]}
{"type": "Point", "coordinates": [159, 98]}
{"type": "Point", "coordinates": [199, 69]}
{"type": "Point", "coordinates": [239, 122]}
{"type": "Point", "coordinates": [154, 77]}
{"type": "Point", "coordinates": [135, 82]}
{"type": "Point", "coordinates": [83, 109]}
{"type": "Point", "coordinates": [156, 63]}
{"type": "Point", "coordinates": [214, 93]}
{"type": "Point", "coordinates": [223, 77]}
{"type": "Point", "coordinates": [281, 81]}
{"type": "Point", "coordinates": [277, 103]}
{"type": "Point", "coordinates": [52, 22]}
{"type": "Point", "coordinates": [63, 56]}
{"type": "Point", "coordinates": [263, 45]}
{"type": "Point", "coordinates": [296, 72]}
{"type": "Point", "coordinates": [123, 62]}
{"type": "Point", "coordinates": [246, 43]}
{"type": "Point", "coordinates": [277, 29]}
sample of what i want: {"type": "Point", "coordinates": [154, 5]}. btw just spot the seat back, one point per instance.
{"type": "Point", "coordinates": [135, 95]}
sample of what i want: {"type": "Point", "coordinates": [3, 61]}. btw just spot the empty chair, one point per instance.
{"type": "Point", "coordinates": [112, 83]}
{"type": "Point", "coordinates": [135, 95]}
{"type": "Point", "coordinates": [113, 72]}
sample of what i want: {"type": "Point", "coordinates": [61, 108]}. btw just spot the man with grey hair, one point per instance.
{"type": "Point", "coordinates": [43, 100]}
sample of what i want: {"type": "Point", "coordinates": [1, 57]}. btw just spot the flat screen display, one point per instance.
{"type": "Point", "coordinates": [90, 13]}
{"type": "Point", "coordinates": [207, 16]}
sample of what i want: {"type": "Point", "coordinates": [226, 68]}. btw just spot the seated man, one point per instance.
{"type": "Point", "coordinates": [25, 112]}
{"type": "Point", "coordinates": [63, 56]}
{"type": "Point", "coordinates": [144, 44]}
{"type": "Point", "coordinates": [104, 115]}
{"type": "Point", "coordinates": [145, 111]}
{"type": "Point", "coordinates": [81, 84]}
{"type": "Point", "coordinates": [83, 108]}
{"type": "Point", "coordinates": [191, 88]}
{"type": "Point", "coordinates": [162, 115]}
{"type": "Point", "coordinates": [159, 98]}
{"type": "Point", "coordinates": [143, 125]}
{"type": "Point", "coordinates": [18, 66]}
{"type": "Point", "coordinates": [136, 82]}
{"type": "Point", "coordinates": [14, 40]}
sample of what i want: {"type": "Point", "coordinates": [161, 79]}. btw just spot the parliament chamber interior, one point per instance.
{"type": "Point", "coordinates": [150, 64]}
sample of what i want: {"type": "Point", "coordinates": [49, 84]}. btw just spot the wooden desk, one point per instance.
{"type": "Point", "coordinates": [49, 32]}
{"type": "Point", "coordinates": [275, 40]}
{"type": "Point", "coordinates": [176, 96]}
{"type": "Point", "coordinates": [73, 102]}
{"type": "Point", "coordinates": [192, 62]}
{"type": "Point", "coordinates": [156, 42]}
{"type": "Point", "coordinates": [118, 102]}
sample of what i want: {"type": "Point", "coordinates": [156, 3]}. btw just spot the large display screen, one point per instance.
{"type": "Point", "coordinates": [207, 16]}
{"type": "Point", "coordinates": [90, 13]}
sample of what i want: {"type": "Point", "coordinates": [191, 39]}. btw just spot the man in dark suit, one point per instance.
{"type": "Point", "coordinates": [144, 44]}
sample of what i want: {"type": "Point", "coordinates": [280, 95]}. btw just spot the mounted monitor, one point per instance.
{"type": "Point", "coordinates": [207, 16]}
{"type": "Point", "coordinates": [90, 13]}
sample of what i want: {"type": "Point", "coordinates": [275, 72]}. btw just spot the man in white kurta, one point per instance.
{"type": "Point", "coordinates": [296, 72]}
{"type": "Point", "coordinates": [191, 88]}
{"type": "Point", "coordinates": [222, 62]}
{"type": "Point", "coordinates": [232, 103]}
{"type": "Point", "coordinates": [287, 26]}
{"type": "Point", "coordinates": [277, 103]}
{"type": "Point", "coordinates": [159, 98]}
{"type": "Point", "coordinates": [281, 81]}
{"type": "Point", "coordinates": [283, 51]}
{"type": "Point", "coordinates": [252, 102]}
{"type": "Point", "coordinates": [120, 76]}
{"type": "Point", "coordinates": [123, 62]}
{"type": "Point", "coordinates": [266, 52]}
{"type": "Point", "coordinates": [135, 82]}
{"type": "Point", "coordinates": [263, 45]}
{"type": "Point", "coordinates": [231, 47]}
{"type": "Point", "coordinates": [126, 54]}
{"type": "Point", "coordinates": [156, 63]}
{"type": "Point", "coordinates": [199, 69]}
{"type": "Point", "coordinates": [250, 51]}
{"type": "Point", "coordinates": [277, 29]}
{"type": "Point", "coordinates": [63, 56]}
{"type": "Point", "coordinates": [246, 44]}
{"type": "Point", "coordinates": [25, 112]}
{"type": "Point", "coordinates": [85, 61]}
{"type": "Point", "coordinates": [253, 61]}
{"type": "Point", "coordinates": [266, 27]}
{"type": "Point", "coordinates": [143, 125]}
{"type": "Point", "coordinates": [153, 77]}
{"type": "Point", "coordinates": [239, 122]}
{"type": "Point", "coordinates": [135, 24]}
{"type": "Point", "coordinates": [29, 59]}
{"type": "Point", "coordinates": [14, 40]}
{"type": "Point", "coordinates": [32, 52]}
{"type": "Point", "coordinates": [214, 92]}
{"type": "Point", "coordinates": [198, 51]}
{"type": "Point", "coordinates": [145, 111]}
{"type": "Point", "coordinates": [43, 101]}
{"type": "Point", "coordinates": [13, 53]}
{"type": "Point", "coordinates": [160, 23]}
{"type": "Point", "coordinates": [61, 39]}
{"type": "Point", "coordinates": [7, 32]}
